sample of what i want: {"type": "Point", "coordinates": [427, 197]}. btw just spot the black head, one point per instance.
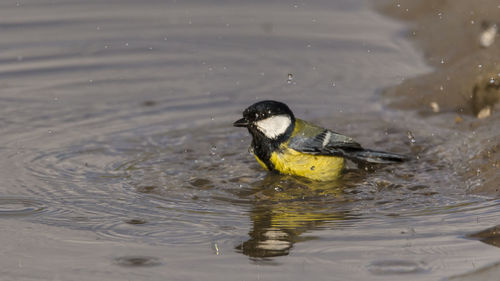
{"type": "Point", "coordinates": [269, 118]}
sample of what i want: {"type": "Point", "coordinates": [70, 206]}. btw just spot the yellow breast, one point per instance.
{"type": "Point", "coordinates": [316, 167]}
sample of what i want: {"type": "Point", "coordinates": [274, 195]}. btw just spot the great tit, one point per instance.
{"type": "Point", "coordinates": [288, 145]}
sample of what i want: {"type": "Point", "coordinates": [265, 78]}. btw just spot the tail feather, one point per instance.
{"type": "Point", "coordinates": [376, 157]}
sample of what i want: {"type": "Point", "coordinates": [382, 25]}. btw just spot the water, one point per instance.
{"type": "Point", "coordinates": [119, 159]}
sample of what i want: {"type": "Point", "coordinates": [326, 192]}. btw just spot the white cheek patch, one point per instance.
{"type": "Point", "coordinates": [274, 126]}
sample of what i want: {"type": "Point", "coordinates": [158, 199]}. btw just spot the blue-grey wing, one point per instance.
{"type": "Point", "coordinates": [325, 143]}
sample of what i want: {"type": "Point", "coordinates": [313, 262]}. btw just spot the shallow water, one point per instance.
{"type": "Point", "coordinates": [119, 159]}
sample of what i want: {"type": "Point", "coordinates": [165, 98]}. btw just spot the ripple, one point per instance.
{"type": "Point", "coordinates": [137, 261]}
{"type": "Point", "coordinates": [12, 206]}
{"type": "Point", "coordinates": [388, 267]}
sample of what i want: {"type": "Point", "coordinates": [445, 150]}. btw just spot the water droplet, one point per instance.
{"type": "Point", "coordinates": [411, 137]}
{"type": "Point", "coordinates": [290, 78]}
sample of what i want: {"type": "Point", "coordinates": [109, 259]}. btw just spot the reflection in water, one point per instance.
{"type": "Point", "coordinates": [285, 207]}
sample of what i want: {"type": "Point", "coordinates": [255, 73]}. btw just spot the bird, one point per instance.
{"type": "Point", "coordinates": [284, 144]}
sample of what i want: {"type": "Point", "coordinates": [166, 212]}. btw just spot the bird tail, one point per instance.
{"type": "Point", "coordinates": [376, 157]}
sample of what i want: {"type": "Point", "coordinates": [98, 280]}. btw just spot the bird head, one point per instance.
{"type": "Point", "coordinates": [271, 119]}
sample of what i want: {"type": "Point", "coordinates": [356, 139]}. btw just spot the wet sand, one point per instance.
{"type": "Point", "coordinates": [464, 86]}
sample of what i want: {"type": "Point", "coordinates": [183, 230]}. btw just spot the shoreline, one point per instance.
{"type": "Point", "coordinates": [465, 82]}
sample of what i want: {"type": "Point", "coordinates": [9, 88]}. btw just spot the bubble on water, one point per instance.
{"type": "Point", "coordinates": [411, 137]}
{"type": "Point", "coordinates": [290, 78]}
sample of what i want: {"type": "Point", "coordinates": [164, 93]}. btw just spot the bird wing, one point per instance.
{"type": "Point", "coordinates": [315, 140]}
{"type": "Point", "coordinates": [312, 139]}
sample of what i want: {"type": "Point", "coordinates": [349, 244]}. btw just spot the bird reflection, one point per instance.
{"type": "Point", "coordinates": [286, 207]}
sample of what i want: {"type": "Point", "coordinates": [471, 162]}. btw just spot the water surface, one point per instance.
{"type": "Point", "coordinates": [119, 159]}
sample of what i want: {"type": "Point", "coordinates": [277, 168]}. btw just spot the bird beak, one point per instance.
{"type": "Point", "coordinates": [241, 123]}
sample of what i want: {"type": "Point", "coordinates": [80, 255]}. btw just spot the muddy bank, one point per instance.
{"type": "Point", "coordinates": [460, 40]}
